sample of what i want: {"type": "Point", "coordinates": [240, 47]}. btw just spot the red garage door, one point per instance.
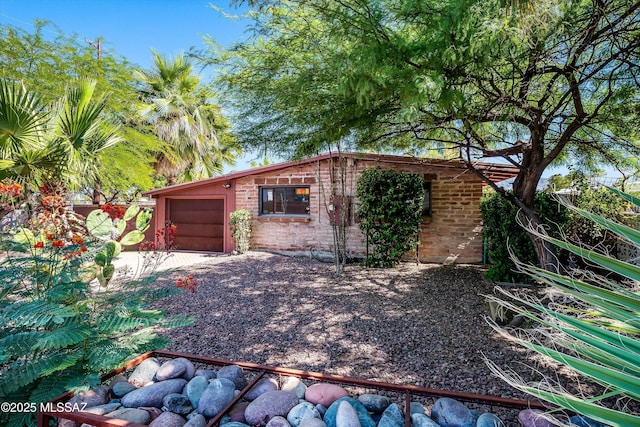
{"type": "Point", "coordinates": [200, 224]}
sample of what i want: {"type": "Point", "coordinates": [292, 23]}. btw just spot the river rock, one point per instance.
{"type": "Point", "coordinates": [133, 415]}
{"type": "Point", "coordinates": [234, 424]}
{"type": "Point", "coordinates": [196, 421]}
{"type": "Point", "coordinates": [177, 403]}
{"type": "Point", "coordinates": [176, 368]}
{"type": "Point", "coordinates": [416, 408]}
{"type": "Point", "coordinates": [363, 415]}
{"type": "Point", "coordinates": [392, 417]}
{"type": "Point", "coordinates": [262, 386]}
{"type": "Point", "coordinates": [421, 420]}
{"type": "Point", "coordinates": [144, 372]}
{"type": "Point", "coordinates": [312, 422]}
{"type": "Point", "coordinates": [346, 416]}
{"type": "Point", "coordinates": [234, 374]}
{"type": "Point", "coordinates": [216, 397]}
{"type": "Point", "coordinates": [102, 409]}
{"type": "Point", "coordinates": [92, 397]}
{"type": "Point", "coordinates": [121, 388]}
{"type": "Point", "coordinates": [449, 412]}
{"type": "Point", "coordinates": [269, 405]}
{"type": "Point", "coordinates": [168, 419]}
{"type": "Point", "coordinates": [321, 409]}
{"type": "Point", "coordinates": [152, 395]}
{"type": "Point", "coordinates": [324, 393]}
{"type": "Point", "coordinates": [489, 420]}
{"type": "Point", "coordinates": [534, 418]}
{"type": "Point", "coordinates": [301, 411]}
{"type": "Point", "coordinates": [278, 421]}
{"type": "Point", "coordinates": [374, 402]}
{"type": "Point", "coordinates": [294, 385]}
{"type": "Point", "coordinates": [195, 388]}
{"type": "Point", "coordinates": [236, 413]}
{"type": "Point", "coordinates": [209, 374]}
{"type": "Point", "coordinates": [152, 410]}
{"type": "Point", "coordinates": [582, 421]}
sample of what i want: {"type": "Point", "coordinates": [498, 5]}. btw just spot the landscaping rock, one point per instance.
{"type": "Point", "coordinates": [92, 397]}
{"type": "Point", "coordinates": [195, 388]}
{"type": "Point", "coordinates": [168, 419]}
{"type": "Point", "coordinates": [153, 394]}
{"type": "Point", "coordinates": [294, 385]}
{"type": "Point", "coordinates": [236, 413]}
{"type": "Point", "coordinates": [152, 410]}
{"type": "Point", "coordinates": [234, 374]}
{"type": "Point", "coordinates": [234, 424]}
{"type": "Point", "coordinates": [392, 417]}
{"type": "Point", "coordinates": [196, 421]}
{"type": "Point", "coordinates": [324, 393]}
{"type": "Point", "coordinates": [144, 372]}
{"type": "Point", "coordinates": [133, 415]}
{"type": "Point", "coordinates": [489, 420]}
{"type": "Point", "coordinates": [449, 412]}
{"type": "Point", "coordinates": [269, 405]}
{"type": "Point", "coordinates": [301, 411]}
{"type": "Point", "coordinates": [176, 368]}
{"type": "Point", "coordinates": [374, 402]}
{"type": "Point", "coordinates": [421, 420]}
{"type": "Point", "coordinates": [209, 374]}
{"type": "Point", "coordinates": [416, 408]}
{"type": "Point", "coordinates": [346, 416]}
{"type": "Point", "coordinates": [363, 415]}
{"type": "Point", "coordinates": [216, 397]}
{"type": "Point", "coordinates": [103, 409]}
{"type": "Point", "coordinates": [278, 421]}
{"type": "Point", "coordinates": [534, 418]}
{"type": "Point", "coordinates": [262, 386]}
{"type": "Point", "coordinates": [312, 422]}
{"type": "Point", "coordinates": [177, 403]}
{"type": "Point", "coordinates": [121, 388]}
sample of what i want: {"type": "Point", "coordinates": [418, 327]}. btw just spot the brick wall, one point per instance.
{"type": "Point", "coordinates": [452, 234]}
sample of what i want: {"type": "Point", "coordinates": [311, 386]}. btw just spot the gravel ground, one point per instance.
{"type": "Point", "coordinates": [421, 325]}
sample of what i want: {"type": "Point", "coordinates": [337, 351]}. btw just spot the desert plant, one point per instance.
{"type": "Point", "coordinates": [505, 235]}
{"type": "Point", "coordinates": [594, 329]}
{"type": "Point", "coordinates": [390, 213]}
{"type": "Point", "coordinates": [240, 223]}
{"type": "Point", "coordinates": [57, 330]}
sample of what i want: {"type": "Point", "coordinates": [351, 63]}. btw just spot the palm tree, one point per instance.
{"type": "Point", "coordinates": [62, 140]}
{"type": "Point", "coordinates": [177, 106]}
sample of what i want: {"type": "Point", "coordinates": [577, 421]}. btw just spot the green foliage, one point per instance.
{"type": "Point", "coordinates": [48, 64]}
{"type": "Point", "coordinates": [390, 213]}
{"type": "Point", "coordinates": [504, 235]}
{"type": "Point", "coordinates": [240, 223]}
{"type": "Point", "coordinates": [57, 329]}
{"type": "Point", "coordinates": [591, 326]}
{"type": "Point", "coordinates": [176, 105]}
{"type": "Point", "coordinates": [471, 79]}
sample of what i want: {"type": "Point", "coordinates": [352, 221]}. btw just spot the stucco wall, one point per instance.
{"type": "Point", "coordinates": [452, 234]}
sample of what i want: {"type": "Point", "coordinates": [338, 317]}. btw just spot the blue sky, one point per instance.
{"type": "Point", "coordinates": [132, 27]}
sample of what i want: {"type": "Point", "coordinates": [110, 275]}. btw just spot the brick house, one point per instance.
{"type": "Point", "coordinates": [291, 206]}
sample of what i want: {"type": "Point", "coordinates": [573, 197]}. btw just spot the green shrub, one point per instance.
{"type": "Point", "coordinates": [390, 213]}
{"type": "Point", "coordinates": [240, 223]}
{"type": "Point", "coordinates": [503, 233]}
{"type": "Point", "coordinates": [58, 330]}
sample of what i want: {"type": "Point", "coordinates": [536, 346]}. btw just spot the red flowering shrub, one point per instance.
{"type": "Point", "coordinates": [114, 211]}
{"type": "Point", "coordinates": [188, 283]}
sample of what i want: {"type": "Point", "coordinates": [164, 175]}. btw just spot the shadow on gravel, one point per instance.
{"type": "Point", "coordinates": [421, 325]}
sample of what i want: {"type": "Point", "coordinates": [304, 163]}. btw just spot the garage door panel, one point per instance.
{"type": "Point", "coordinates": [200, 224]}
{"type": "Point", "coordinates": [200, 230]}
{"type": "Point", "coordinates": [208, 244]}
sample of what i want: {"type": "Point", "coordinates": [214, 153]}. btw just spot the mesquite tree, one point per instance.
{"type": "Point", "coordinates": [475, 79]}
